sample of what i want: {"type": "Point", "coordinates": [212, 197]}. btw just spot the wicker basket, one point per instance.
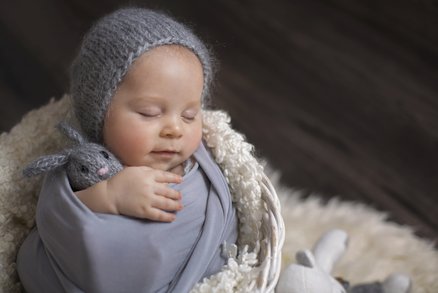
{"type": "Point", "coordinates": [261, 224]}
{"type": "Point", "coordinates": [273, 228]}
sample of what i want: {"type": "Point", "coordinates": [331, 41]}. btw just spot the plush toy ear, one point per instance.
{"type": "Point", "coordinates": [330, 248]}
{"type": "Point", "coordinates": [44, 164]}
{"type": "Point", "coordinates": [70, 132]}
{"type": "Point", "coordinates": [305, 258]}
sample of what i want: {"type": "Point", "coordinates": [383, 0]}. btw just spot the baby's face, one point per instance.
{"type": "Point", "coordinates": [155, 117]}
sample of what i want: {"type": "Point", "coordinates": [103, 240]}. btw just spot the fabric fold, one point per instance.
{"type": "Point", "coordinates": [76, 250]}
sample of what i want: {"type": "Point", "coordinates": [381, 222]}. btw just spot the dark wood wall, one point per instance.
{"type": "Point", "coordinates": [341, 96]}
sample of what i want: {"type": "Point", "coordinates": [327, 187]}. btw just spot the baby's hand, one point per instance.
{"type": "Point", "coordinates": [143, 192]}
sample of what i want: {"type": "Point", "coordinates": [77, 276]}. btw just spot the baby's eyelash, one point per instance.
{"type": "Point", "coordinates": [147, 113]}
{"type": "Point", "coordinates": [190, 114]}
{"type": "Point", "coordinates": [189, 118]}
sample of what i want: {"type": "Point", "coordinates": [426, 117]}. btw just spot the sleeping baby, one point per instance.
{"type": "Point", "coordinates": [138, 87]}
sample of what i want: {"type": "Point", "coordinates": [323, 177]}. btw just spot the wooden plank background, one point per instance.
{"type": "Point", "coordinates": [341, 96]}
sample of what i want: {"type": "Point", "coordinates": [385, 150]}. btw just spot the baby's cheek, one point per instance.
{"type": "Point", "coordinates": [194, 141]}
{"type": "Point", "coordinates": [130, 150]}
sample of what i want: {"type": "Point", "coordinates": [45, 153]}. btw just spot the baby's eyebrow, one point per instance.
{"type": "Point", "coordinates": [194, 103]}
{"type": "Point", "coordinates": [146, 100]}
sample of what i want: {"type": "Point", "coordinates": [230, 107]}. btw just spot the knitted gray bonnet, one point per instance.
{"type": "Point", "coordinates": [110, 48]}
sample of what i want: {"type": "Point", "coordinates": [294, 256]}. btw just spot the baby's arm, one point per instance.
{"type": "Point", "coordinates": [140, 192]}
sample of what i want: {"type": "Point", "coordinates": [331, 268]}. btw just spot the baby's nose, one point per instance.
{"type": "Point", "coordinates": [102, 171]}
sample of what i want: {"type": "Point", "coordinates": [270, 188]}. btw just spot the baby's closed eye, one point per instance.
{"type": "Point", "coordinates": [190, 114]}
{"type": "Point", "coordinates": [150, 112]}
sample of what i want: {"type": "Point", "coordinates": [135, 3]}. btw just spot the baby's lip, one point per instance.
{"type": "Point", "coordinates": [165, 153]}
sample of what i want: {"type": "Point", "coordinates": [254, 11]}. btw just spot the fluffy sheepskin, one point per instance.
{"type": "Point", "coordinates": [376, 248]}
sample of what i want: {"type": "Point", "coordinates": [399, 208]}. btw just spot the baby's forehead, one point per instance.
{"type": "Point", "coordinates": [166, 71]}
{"type": "Point", "coordinates": [164, 59]}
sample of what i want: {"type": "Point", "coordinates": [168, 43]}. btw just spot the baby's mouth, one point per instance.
{"type": "Point", "coordinates": [165, 153]}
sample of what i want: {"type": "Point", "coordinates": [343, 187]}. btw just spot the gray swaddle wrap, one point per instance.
{"type": "Point", "coordinates": [76, 250]}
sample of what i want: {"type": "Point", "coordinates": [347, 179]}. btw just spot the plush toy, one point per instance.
{"type": "Point", "coordinates": [86, 163]}
{"type": "Point", "coordinates": [311, 272]}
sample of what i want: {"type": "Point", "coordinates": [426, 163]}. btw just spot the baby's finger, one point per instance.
{"type": "Point", "coordinates": [161, 216]}
{"type": "Point", "coordinates": [168, 192]}
{"type": "Point", "coordinates": [167, 177]}
{"type": "Point", "coordinates": [166, 204]}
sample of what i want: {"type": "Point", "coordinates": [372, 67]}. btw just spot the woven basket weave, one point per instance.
{"type": "Point", "coordinates": [273, 228]}
{"type": "Point", "coordinates": [257, 204]}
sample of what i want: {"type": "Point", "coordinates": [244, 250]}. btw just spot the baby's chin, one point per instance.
{"type": "Point", "coordinates": [179, 170]}
{"type": "Point", "coordinates": [172, 168]}
{"type": "Point", "coordinates": [176, 167]}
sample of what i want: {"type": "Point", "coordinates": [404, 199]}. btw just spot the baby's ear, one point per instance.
{"type": "Point", "coordinates": [70, 132]}
{"type": "Point", "coordinates": [44, 164]}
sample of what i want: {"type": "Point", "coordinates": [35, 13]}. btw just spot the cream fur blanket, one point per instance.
{"type": "Point", "coordinates": [376, 248]}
